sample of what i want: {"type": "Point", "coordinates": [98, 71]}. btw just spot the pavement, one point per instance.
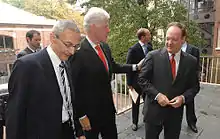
{"type": "Point", "coordinates": [207, 111]}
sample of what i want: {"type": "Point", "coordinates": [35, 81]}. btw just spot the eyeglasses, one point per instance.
{"type": "Point", "coordinates": [69, 44]}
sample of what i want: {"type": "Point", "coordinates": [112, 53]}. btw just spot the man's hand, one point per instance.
{"type": "Point", "coordinates": [162, 100]}
{"type": "Point", "coordinates": [130, 87]}
{"type": "Point", "coordinates": [85, 123]}
{"type": "Point", "coordinates": [176, 102]}
{"type": "Point", "coordinates": [82, 137]}
{"type": "Point", "coordinates": [140, 64]}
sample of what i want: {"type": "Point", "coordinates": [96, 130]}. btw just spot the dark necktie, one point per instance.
{"type": "Point", "coordinates": [101, 56]}
{"type": "Point", "coordinates": [173, 65]}
{"type": "Point", "coordinates": [67, 103]}
{"type": "Point", "coordinates": [145, 49]}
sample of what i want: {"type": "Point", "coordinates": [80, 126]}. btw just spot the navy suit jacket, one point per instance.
{"type": "Point", "coordinates": [34, 109]}
{"type": "Point", "coordinates": [134, 56]}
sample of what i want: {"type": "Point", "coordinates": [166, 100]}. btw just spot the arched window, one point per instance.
{"type": "Point", "coordinates": [6, 42]}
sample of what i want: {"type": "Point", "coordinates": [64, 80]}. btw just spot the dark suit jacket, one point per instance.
{"type": "Point", "coordinates": [92, 82]}
{"type": "Point", "coordinates": [156, 77]}
{"type": "Point", "coordinates": [24, 52]}
{"type": "Point", "coordinates": [134, 56]}
{"type": "Point", "coordinates": [194, 52]}
{"type": "Point", "coordinates": [35, 102]}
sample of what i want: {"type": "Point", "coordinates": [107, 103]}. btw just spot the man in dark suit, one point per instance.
{"type": "Point", "coordinates": [33, 40]}
{"type": "Point", "coordinates": [135, 54]}
{"type": "Point", "coordinates": [42, 105]}
{"type": "Point", "coordinates": [190, 107]}
{"type": "Point", "coordinates": [92, 68]}
{"type": "Point", "coordinates": [169, 79]}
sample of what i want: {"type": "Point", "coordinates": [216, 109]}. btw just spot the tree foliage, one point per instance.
{"type": "Point", "coordinates": [127, 16]}
{"type": "Point", "coordinates": [52, 9]}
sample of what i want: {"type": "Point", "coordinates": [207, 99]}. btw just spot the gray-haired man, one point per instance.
{"type": "Point", "coordinates": [92, 67]}
{"type": "Point", "coordinates": [41, 105]}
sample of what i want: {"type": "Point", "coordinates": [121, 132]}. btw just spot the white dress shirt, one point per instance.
{"type": "Point", "coordinates": [184, 47]}
{"type": "Point", "coordinates": [143, 46]}
{"type": "Point", "coordinates": [31, 49]}
{"type": "Point", "coordinates": [56, 62]}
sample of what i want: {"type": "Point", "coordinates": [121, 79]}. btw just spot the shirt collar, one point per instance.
{"type": "Point", "coordinates": [184, 46]}
{"type": "Point", "coordinates": [92, 44]}
{"type": "Point", "coordinates": [141, 43]}
{"type": "Point", "coordinates": [176, 55]}
{"type": "Point", "coordinates": [54, 58]}
{"type": "Point", "coordinates": [31, 49]}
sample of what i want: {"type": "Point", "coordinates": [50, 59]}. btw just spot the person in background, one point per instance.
{"type": "Point", "coordinates": [190, 107]}
{"type": "Point", "coordinates": [135, 54]}
{"type": "Point", "coordinates": [33, 38]}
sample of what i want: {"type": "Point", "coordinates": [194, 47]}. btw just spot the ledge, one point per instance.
{"type": "Point", "coordinates": [218, 48]}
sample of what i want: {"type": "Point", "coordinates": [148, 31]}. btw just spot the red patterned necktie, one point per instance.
{"type": "Point", "coordinates": [173, 66]}
{"type": "Point", "coordinates": [101, 55]}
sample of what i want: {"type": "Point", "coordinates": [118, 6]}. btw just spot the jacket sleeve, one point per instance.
{"type": "Point", "coordinates": [145, 78]}
{"type": "Point", "coordinates": [16, 106]}
{"type": "Point", "coordinates": [116, 67]}
{"type": "Point", "coordinates": [193, 84]}
{"type": "Point", "coordinates": [129, 60]}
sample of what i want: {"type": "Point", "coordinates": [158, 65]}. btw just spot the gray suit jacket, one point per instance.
{"type": "Point", "coordinates": [156, 77]}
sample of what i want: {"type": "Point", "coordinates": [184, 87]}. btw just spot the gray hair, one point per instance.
{"type": "Point", "coordinates": [95, 15]}
{"type": "Point", "coordinates": [62, 25]}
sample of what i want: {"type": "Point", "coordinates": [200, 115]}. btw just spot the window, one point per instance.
{"type": "Point", "coordinates": [6, 42]}
{"type": "Point", "coordinates": [218, 39]}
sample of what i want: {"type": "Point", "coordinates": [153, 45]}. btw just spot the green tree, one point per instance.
{"type": "Point", "coordinates": [127, 16]}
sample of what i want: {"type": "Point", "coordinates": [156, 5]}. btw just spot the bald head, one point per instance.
{"type": "Point", "coordinates": [144, 35]}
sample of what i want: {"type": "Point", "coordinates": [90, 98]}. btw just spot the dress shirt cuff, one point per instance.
{"type": "Point", "coordinates": [82, 117]}
{"type": "Point", "coordinates": [183, 99]}
{"type": "Point", "coordinates": [134, 67]}
{"type": "Point", "coordinates": [156, 96]}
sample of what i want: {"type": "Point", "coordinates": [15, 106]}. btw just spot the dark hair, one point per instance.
{"type": "Point", "coordinates": [141, 32]}
{"type": "Point", "coordinates": [31, 33]}
{"type": "Point", "coordinates": [180, 26]}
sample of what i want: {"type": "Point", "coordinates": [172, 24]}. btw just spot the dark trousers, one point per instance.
{"type": "Point", "coordinates": [135, 106]}
{"type": "Point", "coordinates": [67, 131]}
{"type": "Point", "coordinates": [107, 129]}
{"type": "Point", "coordinates": [135, 111]}
{"type": "Point", "coordinates": [190, 113]}
{"type": "Point", "coordinates": [2, 123]}
{"type": "Point", "coordinates": [171, 126]}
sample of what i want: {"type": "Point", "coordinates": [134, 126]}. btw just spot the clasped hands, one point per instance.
{"type": "Point", "coordinates": [164, 101]}
{"type": "Point", "coordinates": [85, 123]}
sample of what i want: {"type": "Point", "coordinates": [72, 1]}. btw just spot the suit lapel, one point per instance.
{"type": "Point", "coordinates": [87, 46]}
{"type": "Point", "coordinates": [49, 72]}
{"type": "Point", "coordinates": [181, 67]}
{"type": "Point", "coordinates": [107, 56]}
{"type": "Point", "coordinates": [167, 65]}
{"type": "Point", "coordinates": [72, 93]}
{"type": "Point", "coordinates": [139, 48]}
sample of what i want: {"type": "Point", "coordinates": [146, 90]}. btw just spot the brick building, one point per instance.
{"type": "Point", "coordinates": [14, 23]}
{"type": "Point", "coordinates": [207, 14]}
{"type": "Point", "coordinates": [216, 43]}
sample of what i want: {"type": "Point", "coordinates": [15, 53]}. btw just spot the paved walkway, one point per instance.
{"type": "Point", "coordinates": [207, 110]}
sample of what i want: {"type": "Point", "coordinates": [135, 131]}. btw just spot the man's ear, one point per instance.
{"type": "Point", "coordinates": [52, 37]}
{"type": "Point", "coordinates": [28, 39]}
